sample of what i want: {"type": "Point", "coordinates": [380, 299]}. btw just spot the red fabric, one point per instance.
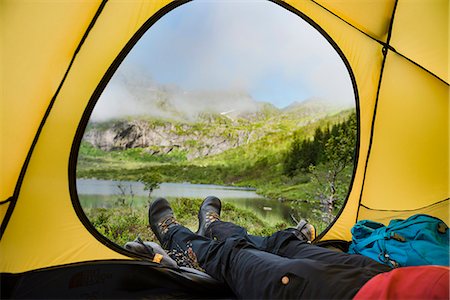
{"type": "Point", "coordinates": [423, 282]}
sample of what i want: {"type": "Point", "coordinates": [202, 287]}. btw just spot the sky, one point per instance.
{"type": "Point", "coordinates": [255, 47]}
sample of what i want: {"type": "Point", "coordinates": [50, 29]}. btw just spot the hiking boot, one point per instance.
{"type": "Point", "coordinates": [209, 212]}
{"type": "Point", "coordinates": [161, 218]}
{"type": "Point", "coordinates": [305, 231]}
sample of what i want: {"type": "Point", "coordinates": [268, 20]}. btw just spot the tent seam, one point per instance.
{"type": "Point", "coordinates": [96, 261]}
{"type": "Point", "coordinates": [386, 45]}
{"type": "Point", "coordinates": [43, 121]}
{"type": "Point", "coordinates": [405, 210]}
{"type": "Point", "coordinates": [372, 130]}
{"type": "Point", "coordinates": [420, 66]}
{"type": "Point", "coordinates": [7, 200]}
{"type": "Point", "coordinates": [353, 26]}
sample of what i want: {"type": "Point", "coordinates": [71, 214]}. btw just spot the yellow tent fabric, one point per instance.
{"type": "Point", "coordinates": [54, 56]}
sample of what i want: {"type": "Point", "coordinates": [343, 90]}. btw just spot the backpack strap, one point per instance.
{"type": "Point", "coordinates": [383, 256]}
{"type": "Point", "coordinates": [367, 241]}
{"type": "Point", "coordinates": [381, 236]}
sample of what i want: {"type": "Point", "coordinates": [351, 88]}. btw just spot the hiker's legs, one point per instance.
{"type": "Point", "coordinates": [285, 243]}
{"type": "Point", "coordinates": [186, 247]}
{"type": "Point", "coordinates": [278, 277]}
{"type": "Point", "coordinates": [252, 273]}
{"type": "Point", "coordinates": [220, 231]}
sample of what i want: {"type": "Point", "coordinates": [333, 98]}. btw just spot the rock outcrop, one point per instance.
{"type": "Point", "coordinates": [210, 133]}
{"type": "Point", "coordinates": [197, 140]}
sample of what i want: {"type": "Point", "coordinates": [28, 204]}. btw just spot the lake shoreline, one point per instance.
{"type": "Point", "coordinates": [85, 182]}
{"type": "Point", "coordinates": [97, 193]}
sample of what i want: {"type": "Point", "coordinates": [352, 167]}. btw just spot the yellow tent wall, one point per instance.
{"type": "Point", "coordinates": [58, 52]}
{"type": "Point", "coordinates": [43, 214]}
{"type": "Point", "coordinates": [34, 59]}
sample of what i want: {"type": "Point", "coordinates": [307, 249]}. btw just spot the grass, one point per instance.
{"type": "Point", "coordinates": [124, 223]}
{"type": "Point", "coordinates": [265, 176]}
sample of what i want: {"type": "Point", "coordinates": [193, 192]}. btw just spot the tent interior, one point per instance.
{"type": "Point", "coordinates": [57, 58]}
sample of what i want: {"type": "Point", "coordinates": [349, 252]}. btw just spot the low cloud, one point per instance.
{"type": "Point", "coordinates": [242, 46]}
{"type": "Point", "coordinates": [143, 97]}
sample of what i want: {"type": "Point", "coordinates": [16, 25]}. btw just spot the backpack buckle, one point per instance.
{"type": "Point", "coordinates": [442, 227]}
{"type": "Point", "coordinates": [397, 237]}
{"type": "Point", "coordinates": [385, 258]}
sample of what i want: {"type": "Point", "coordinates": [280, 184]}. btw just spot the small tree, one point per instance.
{"type": "Point", "coordinates": [123, 196]}
{"type": "Point", "coordinates": [151, 181]}
{"type": "Point", "coordinates": [339, 154]}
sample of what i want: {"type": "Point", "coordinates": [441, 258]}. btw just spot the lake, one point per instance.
{"type": "Point", "coordinates": [95, 193]}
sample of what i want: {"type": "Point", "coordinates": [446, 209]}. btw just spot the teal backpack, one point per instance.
{"type": "Point", "coordinates": [418, 240]}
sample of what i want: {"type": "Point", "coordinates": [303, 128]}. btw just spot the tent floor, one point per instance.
{"type": "Point", "coordinates": [111, 280]}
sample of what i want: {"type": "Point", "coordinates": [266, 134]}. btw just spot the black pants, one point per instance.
{"type": "Point", "coordinates": [275, 267]}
